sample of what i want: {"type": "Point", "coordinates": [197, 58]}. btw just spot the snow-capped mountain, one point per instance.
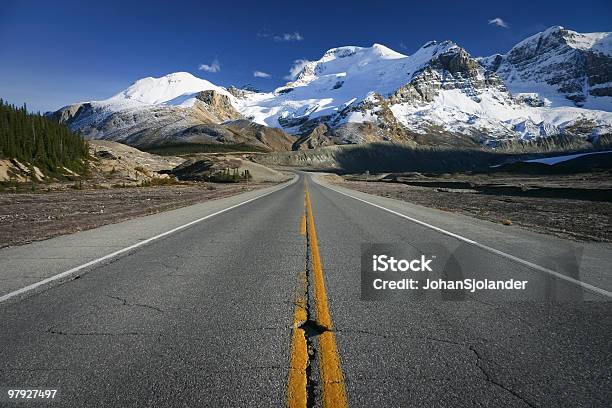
{"type": "Point", "coordinates": [179, 88]}
{"type": "Point", "coordinates": [440, 89]}
{"type": "Point", "coordinates": [554, 83]}
{"type": "Point", "coordinates": [148, 102]}
{"type": "Point", "coordinates": [175, 108]}
{"type": "Point", "coordinates": [559, 65]}
{"type": "Point", "coordinates": [347, 86]}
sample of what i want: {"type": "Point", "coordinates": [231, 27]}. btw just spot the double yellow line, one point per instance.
{"type": "Point", "coordinates": [297, 394]}
{"type": "Point", "coordinates": [333, 391]}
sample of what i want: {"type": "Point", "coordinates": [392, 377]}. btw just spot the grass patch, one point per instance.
{"type": "Point", "coordinates": [188, 148]}
{"type": "Point", "coordinates": [159, 181]}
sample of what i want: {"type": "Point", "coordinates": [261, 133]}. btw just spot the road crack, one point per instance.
{"type": "Point", "coordinates": [104, 334]}
{"type": "Point", "coordinates": [126, 303]}
{"type": "Point", "coordinates": [311, 330]}
{"type": "Point", "coordinates": [315, 377]}
{"type": "Point", "coordinates": [493, 381]}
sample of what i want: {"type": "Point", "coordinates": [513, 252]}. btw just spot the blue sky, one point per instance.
{"type": "Point", "coordinates": [57, 52]}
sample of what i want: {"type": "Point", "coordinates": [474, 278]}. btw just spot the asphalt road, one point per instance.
{"type": "Point", "coordinates": [207, 316]}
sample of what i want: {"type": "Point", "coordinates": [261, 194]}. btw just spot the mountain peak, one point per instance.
{"type": "Point", "coordinates": [557, 36]}
{"type": "Point", "coordinates": [340, 60]}
{"type": "Point", "coordinates": [151, 90]}
{"type": "Point", "coordinates": [569, 67]}
{"type": "Point", "coordinates": [375, 51]}
{"type": "Point", "coordinates": [432, 48]}
{"type": "Point", "coordinates": [386, 52]}
{"type": "Point", "coordinates": [181, 75]}
{"type": "Point", "coordinates": [553, 29]}
{"type": "Point", "coordinates": [436, 44]}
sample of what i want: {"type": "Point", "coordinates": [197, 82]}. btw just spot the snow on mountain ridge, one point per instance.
{"type": "Point", "coordinates": [342, 61]}
{"type": "Point", "coordinates": [342, 77]}
{"type": "Point", "coordinates": [597, 42]}
{"type": "Point", "coordinates": [438, 88]}
{"type": "Point", "coordinates": [562, 66]}
{"type": "Point", "coordinates": [154, 91]}
{"type": "Point", "coordinates": [376, 50]}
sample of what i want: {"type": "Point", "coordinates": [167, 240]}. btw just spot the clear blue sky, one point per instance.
{"type": "Point", "coordinates": [57, 52]}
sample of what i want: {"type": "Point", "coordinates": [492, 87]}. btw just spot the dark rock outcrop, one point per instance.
{"type": "Point", "coordinates": [316, 138]}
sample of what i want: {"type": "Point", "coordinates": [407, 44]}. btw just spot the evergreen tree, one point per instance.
{"type": "Point", "coordinates": [40, 141]}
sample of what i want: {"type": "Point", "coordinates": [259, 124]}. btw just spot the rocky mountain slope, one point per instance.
{"type": "Point", "coordinates": [559, 65]}
{"type": "Point", "coordinates": [555, 84]}
{"type": "Point", "coordinates": [175, 108]}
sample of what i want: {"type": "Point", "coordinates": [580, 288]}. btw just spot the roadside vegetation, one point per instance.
{"type": "Point", "coordinates": [189, 148]}
{"type": "Point", "coordinates": [35, 140]}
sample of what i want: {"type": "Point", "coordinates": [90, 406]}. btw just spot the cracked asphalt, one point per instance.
{"type": "Point", "coordinates": [203, 317]}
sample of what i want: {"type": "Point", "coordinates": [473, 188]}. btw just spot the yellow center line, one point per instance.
{"type": "Point", "coordinates": [323, 316]}
{"type": "Point", "coordinates": [333, 390]}
{"type": "Point", "coordinates": [303, 225]}
{"type": "Point", "coordinates": [296, 388]}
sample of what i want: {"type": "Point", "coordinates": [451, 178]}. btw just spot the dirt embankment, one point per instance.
{"type": "Point", "coordinates": [121, 183]}
{"type": "Point", "coordinates": [209, 167]}
{"type": "Point", "coordinates": [115, 164]}
{"type": "Point", "coordinates": [110, 164]}
{"type": "Point", "coordinates": [27, 217]}
{"type": "Point", "coordinates": [570, 206]}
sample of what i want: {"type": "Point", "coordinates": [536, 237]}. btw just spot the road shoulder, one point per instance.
{"type": "Point", "coordinates": [587, 262]}
{"type": "Point", "coordinates": [33, 263]}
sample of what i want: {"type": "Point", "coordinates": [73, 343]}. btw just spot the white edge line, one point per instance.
{"type": "Point", "coordinates": [485, 247]}
{"type": "Point", "coordinates": [69, 272]}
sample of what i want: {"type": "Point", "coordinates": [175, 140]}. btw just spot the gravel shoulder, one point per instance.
{"type": "Point", "coordinates": [28, 217]}
{"type": "Point", "coordinates": [585, 215]}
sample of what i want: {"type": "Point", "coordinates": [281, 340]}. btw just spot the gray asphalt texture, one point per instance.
{"type": "Point", "coordinates": [203, 317]}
